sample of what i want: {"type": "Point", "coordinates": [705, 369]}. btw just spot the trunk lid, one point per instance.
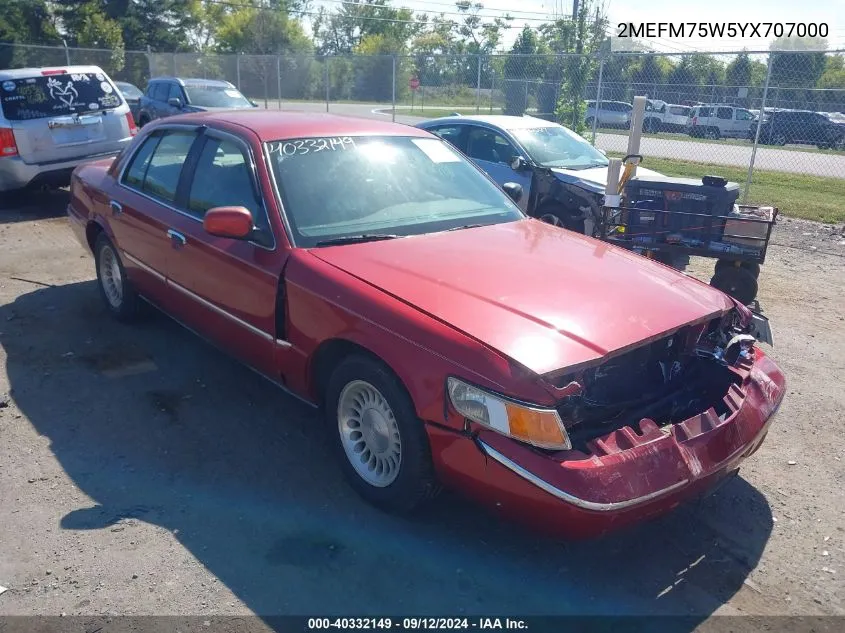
{"type": "Point", "coordinates": [64, 116]}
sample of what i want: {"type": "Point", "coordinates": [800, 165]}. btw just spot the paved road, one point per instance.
{"type": "Point", "coordinates": [793, 161]}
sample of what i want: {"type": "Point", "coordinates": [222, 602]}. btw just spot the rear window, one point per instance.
{"type": "Point", "coordinates": [56, 95]}
{"type": "Point", "coordinates": [679, 110]}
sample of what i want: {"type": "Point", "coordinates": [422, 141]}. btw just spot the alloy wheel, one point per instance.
{"type": "Point", "coordinates": [369, 433]}
{"type": "Point", "coordinates": [110, 277]}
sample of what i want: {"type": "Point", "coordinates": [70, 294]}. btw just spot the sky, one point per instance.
{"type": "Point", "coordinates": [534, 12]}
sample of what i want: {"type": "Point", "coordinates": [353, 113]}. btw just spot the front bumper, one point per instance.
{"type": "Point", "coordinates": [627, 478]}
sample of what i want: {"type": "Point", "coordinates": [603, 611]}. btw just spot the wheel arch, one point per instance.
{"type": "Point", "coordinates": [330, 354]}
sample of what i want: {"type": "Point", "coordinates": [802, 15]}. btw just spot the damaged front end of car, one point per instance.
{"type": "Point", "coordinates": [644, 429]}
{"type": "Point", "coordinates": [690, 371]}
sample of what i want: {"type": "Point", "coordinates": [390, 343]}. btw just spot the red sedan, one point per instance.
{"type": "Point", "coordinates": [369, 269]}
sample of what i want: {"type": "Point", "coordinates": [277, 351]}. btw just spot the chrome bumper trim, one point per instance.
{"type": "Point", "coordinates": [568, 498]}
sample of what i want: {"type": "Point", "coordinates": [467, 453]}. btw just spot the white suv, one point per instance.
{"type": "Point", "coordinates": [716, 121]}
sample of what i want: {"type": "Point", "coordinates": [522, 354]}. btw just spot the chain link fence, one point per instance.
{"type": "Point", "coordinates": [732, 114]}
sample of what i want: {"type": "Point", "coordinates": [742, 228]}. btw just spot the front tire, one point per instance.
{"type": "Point", "coordinates": [382, 446]}
{"type": "Point", "coordinates": [558, 217]}
{"type": "Point", "coordinates": [116, 290]}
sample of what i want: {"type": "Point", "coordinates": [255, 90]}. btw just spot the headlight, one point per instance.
{"type": "Point", "coordinates": [540, 427]}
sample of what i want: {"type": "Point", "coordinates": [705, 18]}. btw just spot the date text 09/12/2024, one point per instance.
{"type": "Point", "coordinates": [418, 623]}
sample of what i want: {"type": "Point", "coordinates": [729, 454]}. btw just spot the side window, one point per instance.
{"type": "Point", "coordinates": [724, 113]}
{"type": "Point", "coordinates": [484, 144]}
{"type": "Point", "coordinates": [704, 112]}
{"type": "Point", "coordinates": [159, 92]}
{"type": "Point", "coordinates": [137, 171]}
{"type": "Point", "coordinates": [165, 166]}
{"type": "Point", "coordinates": [450, 133]}
{"type": "Point", "coordinates": [151, 89]}
{"type": "Point", "coordinates": [223, 179]}
{"type": "Point", "coordinates": [743, 115]}
{"type": "Point", "coordinates": [175, 93]}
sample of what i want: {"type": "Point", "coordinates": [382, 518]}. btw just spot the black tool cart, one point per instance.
{"type": "Point", "coordinates": [669, 218]}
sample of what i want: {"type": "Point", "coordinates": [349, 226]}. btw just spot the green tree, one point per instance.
{"type": "Point", "coordinates": [261, 34]}
{"type": "Point", "coordinates": [738, 71]}
{"type": "Point", "coordinates": [585, 36]}
{"type": "Point", "coordinates": [26, 22]}
{"type": "Point", "coordinates": [650, 72]}
{"type": "Point", "coordinates": [341, 31]}
{"type": "Point", "coordinates": [518, 68]}
{"type": "Point", "coordinates": [799, 69]}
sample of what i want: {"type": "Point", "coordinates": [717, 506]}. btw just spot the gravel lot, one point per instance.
{"type": "Point", "coordinates": [142, 471]}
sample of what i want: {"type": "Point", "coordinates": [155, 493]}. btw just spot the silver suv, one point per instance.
{"type": "Point", "coordinates": [609, 114]}
{"type": "Point", "coordinates": [717, 121]}
{"type": "Point", "coordinates": [53, 119]}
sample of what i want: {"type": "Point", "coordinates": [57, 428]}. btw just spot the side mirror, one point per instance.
{"type": "Point", "coordinates": [232, 222]}
{"type": "Point", "coordinates": [176, 102]}
{"type": "Point", "coordinates": [514, 190]}
{"type": "Point", "coordinates": [518, 163]}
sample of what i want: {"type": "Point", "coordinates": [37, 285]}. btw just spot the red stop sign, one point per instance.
{"type": "Point", "coordinates": [413, 83]}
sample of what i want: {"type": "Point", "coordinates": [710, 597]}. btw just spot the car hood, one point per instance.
{"type": "Point", "coordinates": [543, 296]}
{"type": "Point", "coordinates": [592, 179]}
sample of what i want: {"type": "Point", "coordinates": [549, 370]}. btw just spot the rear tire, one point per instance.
{"type": "Point", "coordinates": [736, 282]}
{"type": "Point", "coordinates": [380, 442]}
{"type": "Point", "coordinates": [143, 120]}
{"type": "Point", "coordinates": [752, 267]}
{"type": "Point", "coordinates": [712, 133]}
{"type": "Point", "coordinates": [116, 290]}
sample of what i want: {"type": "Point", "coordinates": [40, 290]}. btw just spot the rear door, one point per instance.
{"type": "Point", "coordinates": [142, 206]}
{"type": "Point", "coordinates": [725, 121]}
{"type": "Point", "coordinates": [64, 116]}
{"type": "Point", "coordinates": [453, 134]}
{"type": "Point", "coordinates": [493, 153]}
{"type": "Point", "coordinates": [743, 120]}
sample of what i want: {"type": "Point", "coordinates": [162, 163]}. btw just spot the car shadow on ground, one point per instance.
{"type": "Point", "coordinates": [155, 425]}
{"type": "Point", "coordinates": [33, 204]}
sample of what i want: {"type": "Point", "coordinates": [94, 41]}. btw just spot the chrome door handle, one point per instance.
{"type": "Point", "coordinates": [177, 236]}
{"type": "Point", "coordinates": [116, 207]}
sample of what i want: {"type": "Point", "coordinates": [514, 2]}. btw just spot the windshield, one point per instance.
{"type": "Point", "coordinates": [213, 96]}
{"type": "Point", "coordinates": [56, 95]}
{"type": "Point", "coordinates": [555, 146]}
{"type": "Point", "coordinates": [334, 187]}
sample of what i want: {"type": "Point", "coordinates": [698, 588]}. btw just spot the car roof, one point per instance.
{"type": "Point", "coordinates": [195, 81]}
{"type": "Point", "coordinates": [276, 125]}
{"type": "Point", "coordinates": [502, 121]}
{"type": "Point", "coordinates": [25, 73]}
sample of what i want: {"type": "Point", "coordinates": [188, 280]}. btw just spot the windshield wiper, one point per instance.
{"type": "Point", "coordinates": [463, 226]}
{"type": "Point", "coordinates": [356, 239]}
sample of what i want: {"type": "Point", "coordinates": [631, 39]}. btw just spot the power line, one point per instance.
{"type": "Point", "coordinates": [452, 5]}
{"type": "Point", "coordinates": [362, 17]}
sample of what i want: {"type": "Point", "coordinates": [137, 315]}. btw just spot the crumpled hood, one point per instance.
{"type": "Point", "coordinates": [593, 179]}
{"type": "Point", "coordinates": [543, 296]}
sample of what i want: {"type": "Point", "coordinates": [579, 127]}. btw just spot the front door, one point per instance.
{"type": "Point", "coordinates": [493, 153]}
{"type": "Point", "coordinates": [225, 289]}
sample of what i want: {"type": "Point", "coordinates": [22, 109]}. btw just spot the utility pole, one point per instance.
{"type": "Point", "coordinates": [575, 4]}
